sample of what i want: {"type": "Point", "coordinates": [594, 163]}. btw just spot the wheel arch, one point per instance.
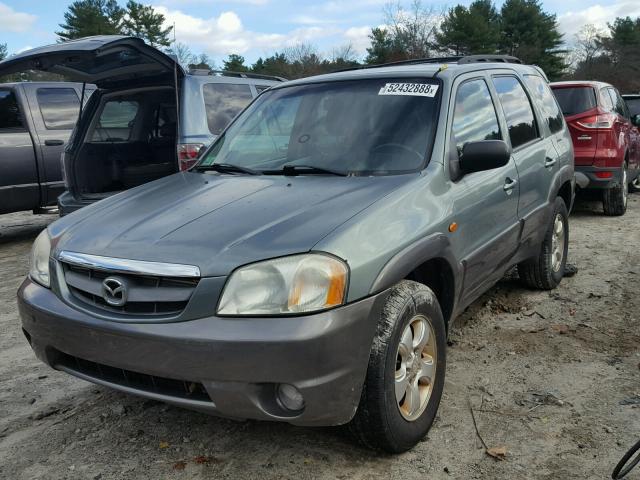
{"type": "Point", "coordinates": [431, 262]}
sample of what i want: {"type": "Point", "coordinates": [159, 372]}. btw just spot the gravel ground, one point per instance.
{"type": "Point", "coordinates": [553, 377]}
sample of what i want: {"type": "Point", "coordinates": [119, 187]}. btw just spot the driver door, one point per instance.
{"type": "Point", "coordinates": [487, 201]}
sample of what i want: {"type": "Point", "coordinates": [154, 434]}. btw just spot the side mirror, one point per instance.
{"type": "Point", "coordinates": [635, 119]}
{"type": "Point", "coordinates": [484, 155]}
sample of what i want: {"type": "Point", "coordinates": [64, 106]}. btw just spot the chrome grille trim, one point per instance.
{"type": "Point", "coordinates": [124, 265]}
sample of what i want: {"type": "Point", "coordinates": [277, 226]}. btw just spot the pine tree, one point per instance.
{"type": "Point", "coordinates": [85, 18]}
{"type": "Point", "coordinates": [3, 51]}
{"type": "Point", "coordinates": [532, 35]}
{"type": "Point", "coordinates": [235, 63]}
{"type": "Point", "coordinates": [473, 30]}
{"type": "Point", "coordinates": [142, 21]}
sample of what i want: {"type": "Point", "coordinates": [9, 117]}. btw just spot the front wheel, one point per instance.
{"type": "Point", "coordinates": [545, 271]}
{"type": "Point", "coordinates": [614, 200]}
{"type": "Point", "coordinates": [405, 376]}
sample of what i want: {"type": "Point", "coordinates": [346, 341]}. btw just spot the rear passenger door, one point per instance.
{"type": "Point", "coordinates": [55, 112]}
{"type": "Point", "coordinates": [485, 202]}
{"type": "Point", "coordinates": [533, 152]}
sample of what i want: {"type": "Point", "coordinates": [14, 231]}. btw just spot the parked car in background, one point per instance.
{"type": "Point", "coordinates": [36, 120]}
{"type": "Point", "coordinates": [633, 104]}
{"type": "Point", "coordinates": [601, 130]}
{"type": "Point", "coordinates": [138, 126]}
{"type": "Point", "coordinates": [308, 267]}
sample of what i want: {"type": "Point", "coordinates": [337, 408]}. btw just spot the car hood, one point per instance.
{"type": "Point", "coordinates": [218, 222]}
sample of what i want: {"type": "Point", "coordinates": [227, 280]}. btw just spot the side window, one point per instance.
{"type": "Point", "coordinates": [605, 99]}
{"type": "Point", "coordinates": [540, 89]}
{"type": "Point", "coordinates": [223, 101]}
{"type": "Point", "coordinates": [116, 121]}
{"type": "Point", "coordinates": [474, 118]}
{"type": "Point", "coordinates": [59, 107]}
{"type": "Point", "coordinates": [517, 110]}
{"type": "Point", "coordinates": [10, 117]}
{"type": "Point", "coordinates": [618, 103]}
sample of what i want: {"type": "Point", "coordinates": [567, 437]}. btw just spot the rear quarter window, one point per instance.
{"type": "Point", "coordinates": [574, 100]}
{"type": "Point", "coordinates": [116, 121]}
{"type": "Point", "coordinates": [223, 101]}
{"type": "Point", "coordinates": [550, 109]}
{"type": "Point", "coordinates": [59, 107]}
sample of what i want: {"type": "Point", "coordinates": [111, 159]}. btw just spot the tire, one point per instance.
{"type": "Point", "coordinates": [545, 271]}
{"type": "Point", "coordinates": [382, 422]}
{"type": "Point", "coordinates": [635, 185]}
{"type": "Point", "coordinates": [614, 200]}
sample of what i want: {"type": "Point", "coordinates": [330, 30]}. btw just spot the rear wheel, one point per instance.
{"type": "Point", "coordinates": [406, 370]}
{"type": "Point", "coordinates": [614, 200]}
{"type": "Point", "coordinates": [545, 271]}
{"type": "Point", "coordinates": [635, 185]}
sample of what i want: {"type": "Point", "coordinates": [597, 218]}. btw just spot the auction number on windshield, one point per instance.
{"type": "Point", "coordinates": [419, 89]}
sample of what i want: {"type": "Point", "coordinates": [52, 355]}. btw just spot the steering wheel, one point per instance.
{"type": "Point", "coordinates": [399, 146]}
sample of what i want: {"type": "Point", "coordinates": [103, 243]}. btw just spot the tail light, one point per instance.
{"type": "Point", "coordinates": [188, 154]}
{"type": "Point", "coordinates": [598, 121]}
{"type": "Point", "coordinates": [604, 174]}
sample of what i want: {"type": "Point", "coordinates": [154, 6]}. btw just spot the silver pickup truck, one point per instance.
{"type": "Point", "coordinates": [36, 120]}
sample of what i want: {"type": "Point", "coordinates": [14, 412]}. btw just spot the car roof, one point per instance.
{"type": "Point", "coordinates": [444, 70]}
{"type": "Point", "coordinates": [231, 79]}
{"type": "Point", "coordinates": [580, 83]}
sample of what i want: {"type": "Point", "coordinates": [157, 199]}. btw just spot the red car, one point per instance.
{"type": "Point", "coordinates": [606, 158]}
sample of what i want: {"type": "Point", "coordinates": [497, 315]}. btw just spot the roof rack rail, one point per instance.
{"type": "Point", "coordinates": [461, 60]}
{"type": "Point", "coordinates": [225, 73]}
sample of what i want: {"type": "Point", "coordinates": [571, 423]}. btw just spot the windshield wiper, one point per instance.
{"type": "Point", "coordinates": [226, 168]}
{"type": "Point", "coordinates": [293, 170]}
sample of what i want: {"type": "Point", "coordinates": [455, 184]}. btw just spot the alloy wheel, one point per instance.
{"type": "Point", "coordinates": [557, 243]}
{"type": "Point", "coordinates": [415, 367]}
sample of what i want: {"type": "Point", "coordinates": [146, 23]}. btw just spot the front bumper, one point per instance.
{"type": "Point", "coordinates": [595, 182]}
{"type": "Point", "coordinates": [236, 363]}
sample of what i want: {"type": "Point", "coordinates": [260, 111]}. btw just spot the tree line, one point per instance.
{"type": "Point", "coordinates": [519, 27]}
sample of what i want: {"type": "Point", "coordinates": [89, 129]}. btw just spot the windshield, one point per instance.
{"type": "Point", "coordinates": [574, 100]}
{"type": "Point", "coordinates": [363, 127]}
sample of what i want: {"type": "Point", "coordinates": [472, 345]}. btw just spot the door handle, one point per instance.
{"type": "Point", "coordinates": [509, 184]}
{"type": "Point", "coordinates": [53, 143]}
{"type": "Point", "coordinates": [550, 162]}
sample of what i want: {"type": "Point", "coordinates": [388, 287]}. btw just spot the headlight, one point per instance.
{"type": "Point", "coordinates": [287, 285]}
{"type": "Point", "coordinates": [39, 262]}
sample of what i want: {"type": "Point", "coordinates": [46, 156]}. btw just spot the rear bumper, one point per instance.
{"type": "Point", "coordinates": [235, 363]}
{"type": "Point", "coordinates": [593, 181]}
{"type": "Point", "coordinates": [67, 203]}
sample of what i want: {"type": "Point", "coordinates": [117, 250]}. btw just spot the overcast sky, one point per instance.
{"type": "Point", "coordinates": [256, 28]}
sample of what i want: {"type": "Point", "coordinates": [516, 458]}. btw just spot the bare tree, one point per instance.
{"type": "Point", "coordinates": [344, 53]}
{"type": "Point", "coordinates": [182, 53]}
{"type": "Point", "coordinates": [304, 60]}
{"type": "Point", "coordinates": [414, 29]}
{"type": "Point", "coordinates": [587, 45]}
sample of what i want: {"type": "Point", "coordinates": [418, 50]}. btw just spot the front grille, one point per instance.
{"type": "Point", "coordinates": [149, 295]}
{"type": "Point", "coordinates": [138, 381]}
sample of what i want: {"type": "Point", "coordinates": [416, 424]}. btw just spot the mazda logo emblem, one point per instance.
{"type": "Point", "coordinates": [114, 291]}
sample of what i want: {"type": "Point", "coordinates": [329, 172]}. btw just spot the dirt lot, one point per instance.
{"type": "Point", "coordinates": [552, 376]}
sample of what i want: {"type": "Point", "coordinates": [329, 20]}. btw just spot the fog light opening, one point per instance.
{"type": "Point", "coordinates": [290, 397]}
